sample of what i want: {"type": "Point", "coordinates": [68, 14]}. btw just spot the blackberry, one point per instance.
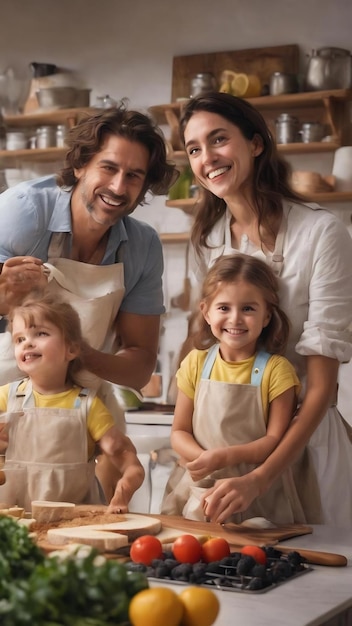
{"type": "Point", "coordinates": [135, 567]}
{"type": "Point", "coordinates": [245, 565]}
{"type": "Point", "coordinates": [182, 571]}
{"type": "Point", "coordinates": [161, 571]}
{"type": "Point", "coordinates": [255, 584]}
{"type": "Point", "coordinates": [259, 571]}
{"type": "Point", "coordinates": [171, 563]}
{"type": "Point", "coordinates": [281, 570]}
{"type": "Point", "coordinates": [296, 559]}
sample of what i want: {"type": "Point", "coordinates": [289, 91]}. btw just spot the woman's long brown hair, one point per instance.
{"type": "Point", "coordinates": [271, 172]}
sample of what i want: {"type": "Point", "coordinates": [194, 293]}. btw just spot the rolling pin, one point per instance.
{"type": "Point", "coordinates": [316, 557]}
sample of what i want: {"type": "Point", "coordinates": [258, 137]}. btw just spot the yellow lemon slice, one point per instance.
{"type": "Point", "coordinates": [239, 85]}
{"type": "Point", "coordinates": [246, 85]}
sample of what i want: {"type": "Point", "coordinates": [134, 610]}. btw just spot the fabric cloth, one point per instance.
{"type": "Point", "coordinates": [231, 413]}
{"type": "Point", "coordinates": [316, 294]}
{"type": "Point", "coordinates": [31, 211]}
{"type": "Point", "coordinates": [279, 375]}
{"type": "Point", "coordinates": [47, 457]}
{"type": "Point", "coordinates": [99, 419]}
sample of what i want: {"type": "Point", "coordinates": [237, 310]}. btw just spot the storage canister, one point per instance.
{"type": "Point", "coordinates": [286, 128]}
{"type": "Point", "coordinates": [16, 141]}
{"type": "Point", "coordinates": [60, 135]}
{"type": "Point", "coordinates": [202, 83]}
{"type": "Point", "coordinates": [46, 137]}
{"type": "Point", "coordinates": [312, 131]}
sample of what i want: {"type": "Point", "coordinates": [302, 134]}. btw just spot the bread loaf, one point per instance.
{"type": "Point", "coordinates": [47, 512]}
{"type": "Point", "coordinates": [103, 540]}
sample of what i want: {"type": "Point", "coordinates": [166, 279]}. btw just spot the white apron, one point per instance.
{"type": "Point", "coordinates": [230, 414]}
{"type": "Point", "coordinates": [96, 292]}
{"type": "Point", "coordinates": [47, 454]}
{"type": "Point", "coordinates": [330, 445]}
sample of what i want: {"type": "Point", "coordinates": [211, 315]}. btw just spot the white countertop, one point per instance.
{"type": "Point", "coordinates": [148, 417]}
{"type": "Point", "coordinates": [308, 600]}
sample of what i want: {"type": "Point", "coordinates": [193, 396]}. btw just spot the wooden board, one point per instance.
{"type": "Point", "coordinates": [236, 534]}
{"type": "Point", "coordinates": [260, 61]}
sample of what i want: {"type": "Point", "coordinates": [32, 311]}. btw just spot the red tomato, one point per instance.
{"type": "Point", "coordinates": [187, 549]}
{"type": "Point", "coordinates": [215, 549]}
{"type": "Point", "coordinates": [257, 553]}
{"type": "Point", "coordinates": [146, 548]}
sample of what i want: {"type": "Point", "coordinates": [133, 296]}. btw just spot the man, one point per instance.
{"type": "Point", "coordinates": [108, 264]}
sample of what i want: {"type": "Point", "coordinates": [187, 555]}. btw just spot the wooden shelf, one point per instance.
{"type": "Point", "coordinates": [47, 155]}
{"type": "Point", "coordinates": [188, 204]}
{"type": "Point", "coordinates": [328, 107]}
{"type": "Point", "coordinates": [331, 196]}
{"type": "Point", "coordinates": [31, 121]}
{"type": "Point", "coordinates": [180, 158]}
{"type": "Point", "coordinates": [303, 148]}
{"type": "Point", "coordinates": [49, 116]}
{"type": "Point", "coordinates": [291, 100]}
{"type": "Point", "coordinates": [174, 237]}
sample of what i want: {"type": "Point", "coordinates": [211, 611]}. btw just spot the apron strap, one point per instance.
{"type": "Point", "coordinates": [258, 366]}
{"type": "Point", "coordinates": [60, 245]}
{"type": "Point", "coordinates": [209, 361]}
{"type": "Point", "coordinates": [83, 401]}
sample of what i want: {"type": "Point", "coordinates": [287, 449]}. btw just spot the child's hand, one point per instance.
{"type": "Point", "coordinates": [119, 501]}
{"type": "Point", "coordinates": [207, 462]}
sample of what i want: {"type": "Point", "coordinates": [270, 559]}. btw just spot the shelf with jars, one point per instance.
{"type": "Point", "coordinates": [47, 146]}
{"type": "Point", "coordinates": [327, 108]}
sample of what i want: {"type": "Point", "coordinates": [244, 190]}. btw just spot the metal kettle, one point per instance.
{"type": "Point", "coordinates": [329, 68]}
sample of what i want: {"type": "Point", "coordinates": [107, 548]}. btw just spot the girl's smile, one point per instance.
{"type": "Point", "coordinates": [237, 315]}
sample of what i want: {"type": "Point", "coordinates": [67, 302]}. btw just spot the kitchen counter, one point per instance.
{"type": "Point", "coordinates": [323, 596]}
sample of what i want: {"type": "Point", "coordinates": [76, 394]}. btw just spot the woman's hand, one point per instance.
{"type": "Point", "coordinates": [229, 496]}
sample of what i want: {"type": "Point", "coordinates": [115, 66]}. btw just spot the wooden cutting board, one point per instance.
{"type": "Point", "coordinates": [236, 534]}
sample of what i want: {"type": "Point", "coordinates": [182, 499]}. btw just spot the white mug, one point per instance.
{"type": "Point", "coordinates": [342, 168]}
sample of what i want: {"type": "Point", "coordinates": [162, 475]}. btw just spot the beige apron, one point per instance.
{"type": "Point", "coordinates": [230, 414]}
{"type": "Point", "coordinates": [96, 292]}
{"type": "Point", "coordinates": [47, 455]}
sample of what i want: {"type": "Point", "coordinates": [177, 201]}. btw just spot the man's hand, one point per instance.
{"type": "Point", "coordinates": [19, 276]}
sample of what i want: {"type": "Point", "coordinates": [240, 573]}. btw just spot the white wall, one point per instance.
{"type": "Point", "coordinates": [126, 48]}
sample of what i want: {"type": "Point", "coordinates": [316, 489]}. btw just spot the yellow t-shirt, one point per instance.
{"type": "Point", "coordinates": [99, 420]}
{"type": "Point", "coordinates": [279, 375]}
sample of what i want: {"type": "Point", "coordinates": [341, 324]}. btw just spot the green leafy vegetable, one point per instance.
{"type": "Point", "coordinates": [82, 589]}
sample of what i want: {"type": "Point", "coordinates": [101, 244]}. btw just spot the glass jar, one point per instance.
{"type": "Point", "coordinates": [202, 83]}
{"type": "Point", "coordinates": [45, 137]}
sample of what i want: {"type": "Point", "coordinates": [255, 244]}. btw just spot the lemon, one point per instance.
{"type": "Point", "coordinates": [157, 606]}
{"type": "Point", "coordinates": [200, 606]}
{"type": "Point", "coordinates": [246, 85]}
{"type": "Point", "coordinates": [239, 85]}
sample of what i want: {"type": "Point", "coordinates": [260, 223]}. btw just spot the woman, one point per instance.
{"type": "Point", "coordinates": [248, 206]}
